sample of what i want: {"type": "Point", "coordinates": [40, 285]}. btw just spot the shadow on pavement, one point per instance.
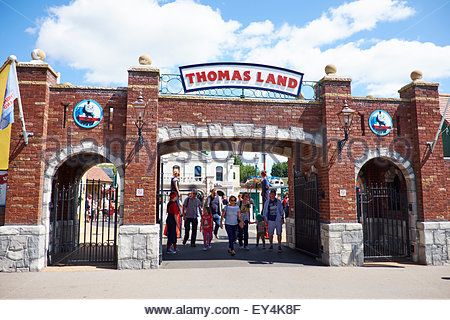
{"type": "Point", "coordinates": [217, 256]}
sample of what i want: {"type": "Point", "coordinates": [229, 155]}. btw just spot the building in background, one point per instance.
{"type": "Point", "coordinates": [202, 171]}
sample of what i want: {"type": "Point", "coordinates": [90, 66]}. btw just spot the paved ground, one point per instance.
{"type": "Point", "coordinates": [193, 273]}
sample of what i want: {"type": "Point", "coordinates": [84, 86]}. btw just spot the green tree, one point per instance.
{"type": "Point", "coordinates": [280, 169]}
{"type": "Point", "coordinates": [246, 170]}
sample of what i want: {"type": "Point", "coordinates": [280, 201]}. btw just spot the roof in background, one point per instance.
{"type": "Point", "coordinates": [96, 173]}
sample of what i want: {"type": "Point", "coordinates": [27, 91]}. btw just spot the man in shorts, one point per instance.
{"type": "Point", "coordinates": [274, 216]}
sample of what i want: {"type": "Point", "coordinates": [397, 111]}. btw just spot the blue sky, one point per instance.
{"type": "Point", "coordinates": [375, 42]}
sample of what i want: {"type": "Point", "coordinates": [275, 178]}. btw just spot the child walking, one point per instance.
{"type": "Point", "coordinates": [172, 223]}
{"type": "Point", "coordinates": [206, 227]}
{"type": "Point", "coordinates": [260, 231]}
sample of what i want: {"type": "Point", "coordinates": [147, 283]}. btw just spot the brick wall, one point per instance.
{"type": "Point", "coordinates": [429, 166]}
{"type": "Point", "coordinates": [203, 111]}
{"type": "Point", "coordinates": [141, 161]}
{"type": "Point", "coordinates": [25, 174]}
{"type": "Point", "coordinates": [44, 107]}
{"type": "Point", "coordinates": [447, 174]}
{"type": "Point", "coordinates": [110, 132]}
{"type": "Point", "coordinates": [335, 172]}
{"type": "Point", "coordinates": [338, 170]}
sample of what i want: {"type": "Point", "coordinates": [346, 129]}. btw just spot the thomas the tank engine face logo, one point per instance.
{"type": "Point", "coordinates": [380, 122]}
{"type": "Point", "coordinates": [88, 114]}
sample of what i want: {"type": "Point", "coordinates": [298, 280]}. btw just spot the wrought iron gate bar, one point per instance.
{"type": "Point", "coordinates": [383, 211]}
{"type": "Point", "coordinates": [307, 215]}
{"type": "Point", "coordinates": [84, 219]}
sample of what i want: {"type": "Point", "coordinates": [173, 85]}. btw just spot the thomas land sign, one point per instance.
{"type": "Point", "coordinates": [240, 75]}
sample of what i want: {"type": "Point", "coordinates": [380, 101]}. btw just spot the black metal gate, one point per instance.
{"type": "Point", "coordinates": [83, 223]}
{"type": "Point", "coordinates": [307, 216]}
{"type": "Point", "coordinates": [383, 212]}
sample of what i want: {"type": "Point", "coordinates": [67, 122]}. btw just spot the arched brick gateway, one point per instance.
{"type": "Point", "coordinates": [82, 157]}
{"type": "Point", "coordinates": [306, 131]}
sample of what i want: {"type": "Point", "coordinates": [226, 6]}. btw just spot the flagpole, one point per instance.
{"type": "Point", "coordinates": [19, 102]}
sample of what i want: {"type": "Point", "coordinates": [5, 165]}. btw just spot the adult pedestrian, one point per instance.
{"type": "Point", "coordinates": [245, 208]}
{"type": "Point", "coordinates": [232, 216]}
{"type": "Point", "coordinates": [224, 200]}
{"type": "Point", "coordinates": [192, 207]}
{"type": "Point", "coordinates": [172, 222]}
{"type": "Point", "coordinates": [213, 205]}
{"type": "Point", "coordinates": [265, 187]}
{"type": "Point", "coordinates": [274, 216]}
{"type": "Point", "coordinates": [87, 208]}
{"type": "Point", "coordinates": [239, 199]}
{"type": "Point", "coordinates": [175, 187]}
{"type": "Point", "coordinates": [175, 181]}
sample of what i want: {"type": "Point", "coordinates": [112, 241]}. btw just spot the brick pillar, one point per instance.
{"type": "Point", "coordinates": [139, 236]}
{"type": "Point", "coordinates": [22, 238]}
{"type": "Point", "coordinates": [26, 166]}
{"type": "Point", "coordinates": [431, 173]}
{"type": "Point", "coordinates": [341, 236]}
{"type": "Point", "coordinates": [337, 171]}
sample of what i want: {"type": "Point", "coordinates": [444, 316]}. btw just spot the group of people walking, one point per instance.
{"type": "Point", "coordinates": [233, 215]}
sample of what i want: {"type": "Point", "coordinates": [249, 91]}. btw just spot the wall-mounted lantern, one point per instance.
{"type": "Point", "coordinates": [139, 107]}
{"type": "Point", "coordinates": [345, 118]}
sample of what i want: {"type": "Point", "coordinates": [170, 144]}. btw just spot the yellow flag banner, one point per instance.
{"type": "Point", "coordinates": [5, 134]}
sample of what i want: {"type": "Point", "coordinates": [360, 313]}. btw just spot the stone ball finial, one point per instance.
{"type": "Point", "coordinates": [38, 54]}
{"type": "Point", "coordinates": [416, 75]}
{"type": "Point", "coordinates": [330, 69]}
{"type": "Point", "coordinates": [145, 60]}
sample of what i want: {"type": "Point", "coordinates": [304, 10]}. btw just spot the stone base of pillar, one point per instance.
{"type": "Point", "coordinates": [290, 232]}
{"type": "Point", "coordinates": [138, 247]}
{"type": "Point", "coordinates": [342, 244]}
{"type": "Point", "coordinates": [22, 248]}
{"type": "Point", "coordinates": [434, 243]}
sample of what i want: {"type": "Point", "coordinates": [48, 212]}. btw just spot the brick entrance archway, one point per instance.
{"type": "Point", "coordinates": [63, 173]}
{"type": "Point", "coordinates": [387, 219]}
{"type": "Point", "coordinates": [168, 118]}
{"type": "Point", "coordinates": [406, 170]}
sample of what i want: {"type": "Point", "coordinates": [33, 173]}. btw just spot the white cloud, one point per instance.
{"type": "Point", "coordinates": [337, 24]}
{"type": "Point", "coordinates": [380, 66]}
{"type": "Point", "coordinates": [365, 14]}
{"type": "Point", "coordinates": [31, 30]}
{"type": "Point", "coordinates": [104, 37]}
{"type": "Point", "coordinates": [385, 67]}
{"type": "Point", "coordinates": [263, 28]}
